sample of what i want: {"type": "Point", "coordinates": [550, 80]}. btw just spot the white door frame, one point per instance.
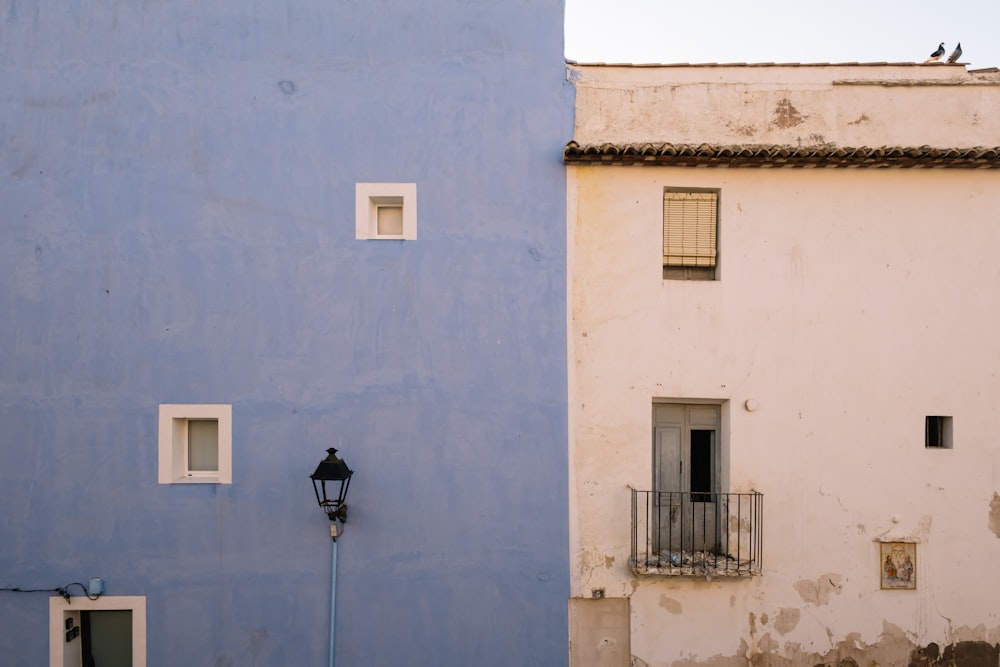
{"type": "Point", "coordinates": [60, 610]}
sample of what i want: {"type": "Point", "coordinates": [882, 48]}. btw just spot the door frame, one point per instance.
{"type": "Point", "coordinates": [60, 609]}
{"type": "Point", "coordinates": [719, 466]}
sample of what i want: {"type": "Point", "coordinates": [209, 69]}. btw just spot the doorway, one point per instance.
{"type": "Point", "coordinates": [106, 632]}
{"type": "Point", "coordinates": [106, 638]}
{"type": "Point", "coordinates": [687, 475]}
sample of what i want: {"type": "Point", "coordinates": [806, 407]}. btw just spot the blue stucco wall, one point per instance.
{"type": "Point", "coordinates": [177, 199]}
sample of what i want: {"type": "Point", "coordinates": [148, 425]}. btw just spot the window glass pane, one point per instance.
{"type": "Point", "coordinates": [390, 220]}
{"type": "Point", "coordinates": [107, 637]}
{"type": "Point", "coordinates": [937, 432]}
{"type": "Point", "coordinates": [203, 445]}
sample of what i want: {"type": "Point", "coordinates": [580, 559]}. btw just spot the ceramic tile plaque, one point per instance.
{"type": "Point", "coordinates": [898, 568]}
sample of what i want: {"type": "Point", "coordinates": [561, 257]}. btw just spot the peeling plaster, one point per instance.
{"type": "Point", "coordinates": [767, 645]}
{"type": "Point", "coordinates": [671, 605]}
{"type": "Point", "coordinates": [979, 633]}
{"type": "Point", "coordinates": [994, 521]}
{"type": "Point", "coordinates": [739, 660]}
{"type": "Point", "coordinates": [593, 566]}
{"type": "Point", "coordinates": [966, 654]}
{"type": "Point", "coordinates": [745, 130]}
{"type": "Point", "coordinates": [818, 592]}
{"type": "Point", "coordinates": [787, 620]}
{"type": "Point", "coordinates": [897, 533]}
{"type": "Point", "coordinates": [893, 647]}
{"type": "Point", "coordinates": [786, 115]}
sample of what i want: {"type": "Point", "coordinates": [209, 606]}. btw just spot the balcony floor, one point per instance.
{"type": "Point", "coordinates": [697, 564]}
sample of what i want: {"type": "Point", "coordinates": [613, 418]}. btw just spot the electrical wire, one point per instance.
{"type": "Point", "coordinates": [62, 590]}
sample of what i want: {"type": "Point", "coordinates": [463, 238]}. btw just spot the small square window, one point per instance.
{"type": "Point", "coordinates": [195, 444]}
{"type": "Point", "coordinates": [385, 211]}
{"type": "Point", "coordinates": [937, 433]}
{"type": "Point", "coordinates": [690, 233]}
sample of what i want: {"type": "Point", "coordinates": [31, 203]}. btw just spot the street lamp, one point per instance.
{"type": "Point", "coordinates": [333, 469]}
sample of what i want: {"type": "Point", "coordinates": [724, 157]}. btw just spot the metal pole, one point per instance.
{"type": "Point", "coordinates": [333, 596]}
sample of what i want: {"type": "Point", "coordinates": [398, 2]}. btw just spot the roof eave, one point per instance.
{"type": "Point", "coordinates": [776, 156]}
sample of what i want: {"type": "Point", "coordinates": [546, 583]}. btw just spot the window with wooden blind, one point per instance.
{"type": "Point", "coordinates": [690, 233]}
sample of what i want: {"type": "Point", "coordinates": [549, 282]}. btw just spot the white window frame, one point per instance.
{"type": "Point", "coordinates": [60, 609]}
{"type": "Point", "coordinates": [172, 442]}
{"type": "Point", "coordinates": [369, 197]}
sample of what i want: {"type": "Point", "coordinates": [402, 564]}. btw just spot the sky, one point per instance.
{"type": "Point", "coordinates": [780, 31]}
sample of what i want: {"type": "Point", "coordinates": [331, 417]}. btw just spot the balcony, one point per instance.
{"type": "Point", "coordinates": [697, 534]}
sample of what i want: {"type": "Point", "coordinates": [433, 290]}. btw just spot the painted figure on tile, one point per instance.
{"type": "Point", "coordinates": [889, 568]}
{"type": "Point", "coordinates": [906, 569]}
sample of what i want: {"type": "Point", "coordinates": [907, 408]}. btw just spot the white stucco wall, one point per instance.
{"type": "Point", "coordinates": [849, 305]}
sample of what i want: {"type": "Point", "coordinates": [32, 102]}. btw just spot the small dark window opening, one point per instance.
{"type": "Point", "coordinates": [937, 432]}
{"type": "Point", "coordinates": [701, 465]}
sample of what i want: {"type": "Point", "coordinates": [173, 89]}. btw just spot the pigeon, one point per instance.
{"type": "Point", "coordinates": [937, 54]}
{"type": "Point", "coordinates": [956, 54]}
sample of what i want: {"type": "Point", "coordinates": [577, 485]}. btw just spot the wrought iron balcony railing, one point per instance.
{"type": "Point", "coordinates": [697, 534]}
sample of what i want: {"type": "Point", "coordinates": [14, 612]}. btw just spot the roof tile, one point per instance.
{"type": "Point", "coordinates": [757, 155]}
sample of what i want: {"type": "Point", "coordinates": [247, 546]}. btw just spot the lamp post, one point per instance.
{"type": "Point", "coordinates": [332, 501]}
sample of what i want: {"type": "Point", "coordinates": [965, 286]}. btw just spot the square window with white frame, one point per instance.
{"type": "Point", "coordinates": [386, 211]}
{"type": "Point", "coordinates": [195, 444]}
{"type": "Point", "coordinates": [690, 233]}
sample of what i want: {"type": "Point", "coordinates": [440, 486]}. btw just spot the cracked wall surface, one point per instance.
{"type": "Point", "coordinates": [787, 105]}
{"type": "Point", "coordinates": [891, 647]}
